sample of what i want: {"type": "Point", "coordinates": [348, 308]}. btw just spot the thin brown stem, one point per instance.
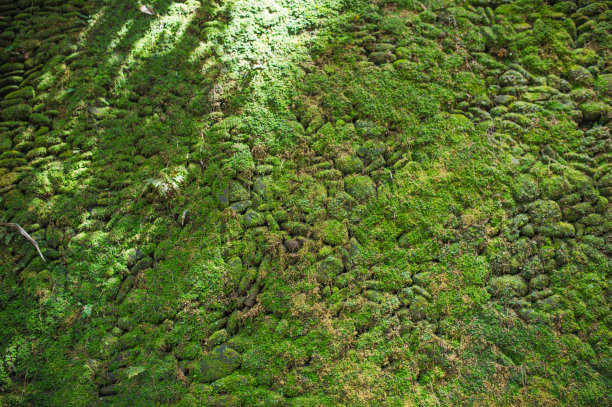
{"type": "Point", "coordinates": [25, 234]}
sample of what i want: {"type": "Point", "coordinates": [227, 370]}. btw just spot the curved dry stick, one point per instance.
{"type": "Point", "coordinates": [25, 234]}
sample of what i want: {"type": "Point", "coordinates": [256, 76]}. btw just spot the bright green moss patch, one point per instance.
{"type": "Point", "coordinates": [299, 204]}
{"type": "Point", "coordinates": [334, 233]}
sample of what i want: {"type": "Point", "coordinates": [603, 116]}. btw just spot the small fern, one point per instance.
{"type": "Point", "coordinates": [168, 182]}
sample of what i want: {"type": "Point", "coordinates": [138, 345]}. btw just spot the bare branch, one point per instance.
{"type": "Point", "coordinates": [25, 234]}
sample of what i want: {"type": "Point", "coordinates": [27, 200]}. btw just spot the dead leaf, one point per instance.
{"type": "Point", "coordinates": [146, 9]}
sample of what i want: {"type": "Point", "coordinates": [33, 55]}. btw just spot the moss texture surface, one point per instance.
{"type": "Point", "coordinates": [306, 203]}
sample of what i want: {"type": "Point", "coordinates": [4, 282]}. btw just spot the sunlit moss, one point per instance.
{"type": "Point", "coordinates": [380, 203]}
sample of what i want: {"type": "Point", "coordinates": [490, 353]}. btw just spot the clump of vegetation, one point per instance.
{"type": "Point", "coordinates": [300, 203]}
{"type": "Point", "coordinates": [168, 181]}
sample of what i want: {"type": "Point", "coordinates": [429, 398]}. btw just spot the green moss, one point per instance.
{"type": "Point", "coordinates": [220, 362]}
{"type": "Point", "coordinates": [26, 92]}
{"type": "Point", "coordinates": [560, 229]}
{"type": "Point", "coordinates": [218, 337]}
{"type": "Point", "coordinates": [544, 212]}
{"type": "Point", "coordinates": [579, 75]}
{"type": "Point", "coordinates": [507, 287]}
{"type": "Point", "coordinates": [8, 179]}
{"type": "Point", "coordinates": [453, 170]}
{"type": "Point", "coordinates": [525, 188]}
{"type": "Point", "coordinates": [40, 120]}
{"type": "Point", "coordinates": [18, 112]}
{"type": "Point", "coordinates": [334, 233]}
{"type": "Point", "coordinates": [234, 192]}
{"type": "Point", "coordinates": [253, 218]}
{"type": "Point", "coordinates": [36, 152]}
{"type": "Point", "coordinates": [554, 187]}
{"type": "Point", "coordinates": [11, 67]}
{"type": "Point", "coordinates": [329, 269]}
{"type": "Point", "coordinates": [349, 164]}
{"type": "Point", "coordinates": [594, 111]}
{"type": "Point", "coordinates": [8, 90]}
{"type": "Point", "coordinates": [359, 187]}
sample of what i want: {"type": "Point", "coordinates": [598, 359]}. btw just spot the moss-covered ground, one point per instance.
{"type": "Point", "coordinates": [306, 203]}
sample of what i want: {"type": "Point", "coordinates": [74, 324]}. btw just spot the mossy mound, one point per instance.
{"type": "Point", "coordinates": [284, 203]}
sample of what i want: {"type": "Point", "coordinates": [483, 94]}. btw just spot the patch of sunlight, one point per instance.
{"type": "Point", "coordinates": [62, 94]}
{"type": "Point", "coordinates": [165, 33]}
{"type": "Point", "coordinates": [270, 36]}
{"type": "Point", "coordinates": [202, 51]}
{"type": "Point", "coordinates": [46, 81]}
{"type": "Point", "coordinates": [93, 21]}
{"type": "Point", "coordinates": [119, 36]}
{"type": "Point", "coordinates": [78, 172]}
{"type": "Point", "coordinates": [113, 59]}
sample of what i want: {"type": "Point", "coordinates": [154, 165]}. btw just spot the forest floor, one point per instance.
{"type": "Point", "coordinates": [306, 203]}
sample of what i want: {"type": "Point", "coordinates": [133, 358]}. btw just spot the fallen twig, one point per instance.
{"type": "Point", "coordinates": [25, 234]}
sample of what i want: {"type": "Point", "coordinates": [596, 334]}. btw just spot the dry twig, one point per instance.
{"type": "Point", "coordinates": [25, 234]}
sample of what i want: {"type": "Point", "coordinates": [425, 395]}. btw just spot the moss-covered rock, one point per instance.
{"type": "Point", "coordinates": [554, 187]}
{"type": "Point", "coordinates": [220, 362]}
{"type": "Point", "coordinates": [512, 78]}
{"type": "Point", "coordinates": [418, 308]}
{"type": "Point", "coordinates": [544, 212]}
{"type": "Point", "coordinates": [57, 149]}
{"type": "Point", "coordinates": [253, 218]}
{"type": "Point", "coordinates": [17, 113]}
{"type": "Point", "coordinates": [525, 188]}
{"type": "Point", "coordinates": [40, 120]}
{"type": "Point", "coordinates": [558, 83]}
{"type": "Point", "coordinates": [296, 228]}
{"type": "Point", "coordinates": [11, 67]}
{"type": "Point", "coordinates": [579, 75]}
{"type": "Point", "coordinates": [575, 212]}
{"type": "Point", "coordinates": [507, 286]}
{"type": "Point", "coordinates": [381, 47]}
{"type": "Point", "coordinates": [539, 282]}
{"type": "Point", "coordinates": [241, 206]}
{"type": "Point", "coordinates": [349, 164]}
{"type": "Point", "coordinates": [328, 269]}
{"type": "Point", "coordinates": [5, 90]}
{"type": "Point", "coordinates": [359, 187]}
{"type": "Point", "coordinates": [8, 179]}
{"type": "Point", "coordinates": [593, 219]}
{"type": "Point", "coordinates": [334, 233]}
{"type": "Point", "coordinates": [27, 92]}
{"type": "Point", "coordinates": [382, 57]}
{"type": "Point", "coordinates": [553, 302]}
{"type": "Point", "coordinates": [218, 337]}
{"type": "Point", "coordinates": [126, 323]}
{"type": "Point", "coordinates": [594, 111]}
{"type": "Point", "coordinates": [11, 80]}
{"type": "Point", "coordinates": [125, 288]}
{"type": "Point", "coordinates": [36, 152]}
{"type": "Point", "coordinates": [594, 8]}
{"type": "Point", "coordinates": [234, 192]}
{"type": "Point", "coordinates": [559, 229]}
{"type": "Point", "coordinates": [371, 150]}
{"type": "Point", "coordinates": [504, 100]}
{"type": "Point", "coordinates": [188, 351]}
{"type": "Point", "coordinates": [403, 53]}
